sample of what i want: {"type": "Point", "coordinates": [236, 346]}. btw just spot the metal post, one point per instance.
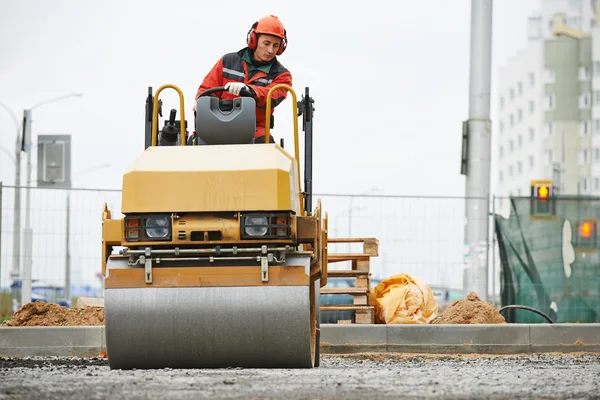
{"type": "Point", "coordinates": [16, 266]}
{"type": "Point", "coordinates": [28, 233]}
{"type": "Point", "coordinates": [479, 142]}
{"type": "Point", "coordinates": [493, 232]}
{"type": "Point", "coordinates": [68, 251]}
{"type": "Point", "coordinates": [350, 224]}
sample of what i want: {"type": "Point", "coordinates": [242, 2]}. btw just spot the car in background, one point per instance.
{"type": "Point", "coordinates": [446, 296]}
{"type": "Point", "coordinates": [40, 290]}
{"type": "Point", "coordinates": [332, 317]}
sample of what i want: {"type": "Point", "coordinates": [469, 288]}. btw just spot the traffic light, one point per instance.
{"type": "Point", "coordinates": [586, 234]}
{"type": "Point", "coordinates": [543, 203]}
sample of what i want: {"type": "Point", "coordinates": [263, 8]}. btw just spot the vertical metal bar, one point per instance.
{"type": "Point", "coordinates": [493, 233]}
{"type": "Point", "coordinates": [0, 233]}
{"type": "Point", "coordinates": [16, 265]}
{"type": "Point", "coordinates": [28, 232]}
{"type": "Point", "coordinates": [479, 150]}
{"type": "Point", "coordinates": [68, 251]}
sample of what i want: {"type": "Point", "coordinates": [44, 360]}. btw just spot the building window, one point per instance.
{"type": "Point", "coordinates": [531, 134]}
{"type": "Point", "coordinates": [519, 115]}
{"type": "Point", "coordinates": [548, 157]}
{"type": "Point", "coordinates": [597, 68]}
{"type": "Point", "coordinates": [501, 127]}
{"type": "Point", "coordinates": [597, 126]}
{"type": "Point", "coordinates": [510, 170]}
{"type": "Point", "coordinates": [531, 79]}
{"type": "Point", "coordinates": [531, 107]}
{"type": "Point", "coordinates": [512, 120]}
{"type": "Point", "coordinates": [593, 23]}
{"type": "Point", "coordinates": [596, 97]}
{"type": "Point", "coordinates": [584, 128]}
{"type": "Point", "coordinates": [549, 100]}
{"type": "Point", "coordinates": [519, 167]}
{"type": "Point", "coordinates": [596, 184]}
{"type": "Point", "coordinates": [512, 93]}
{"type": "Point", "coordinates": [511, 145]}
{"type": "Point", "coordinates": [549, 76]}
{"type": "Point", "coordinates": [584, 73]}
{"type": "Point", "coordinates": [584, 100]}
{"type": "Point", "coordinates": [501, 152]}
{"type": "Point", "coordinates": [548, 129]}
{"type": "Point", "coordinates": [584, 185]}
{"type": "Point", "coordinates": [596, 155]}
{"type": "Point", "coordinates": [520, 88]}
{"type": "Point", "coordinates": [502, 102]}
{"type": "Point", "coordinates": [520, 141]}
{"type": "Point", "coordinates": [531, 162]}
{"type": "Point", "coordinates": [500, 176]}
{"type": "Point", "coordinates": [583, 157]}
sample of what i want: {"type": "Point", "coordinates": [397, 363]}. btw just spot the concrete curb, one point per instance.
{"type": "Point", "coordinates": [89, 341]}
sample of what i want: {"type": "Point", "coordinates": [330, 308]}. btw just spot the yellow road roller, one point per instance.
{"type": "Point", "coordinates": [219, 258]}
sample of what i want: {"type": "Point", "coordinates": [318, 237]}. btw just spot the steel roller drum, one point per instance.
{"type": "Point", "coordinates": [209, 327]}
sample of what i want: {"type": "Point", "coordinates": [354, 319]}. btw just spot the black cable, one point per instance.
{"type": "Point", "coordinates": [528, 309]}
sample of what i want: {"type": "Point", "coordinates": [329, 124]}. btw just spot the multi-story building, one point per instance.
{"type": "Point", "coordinates": [548, 123]}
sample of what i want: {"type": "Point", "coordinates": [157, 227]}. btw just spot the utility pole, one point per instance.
{"type": "Point", "coordinates": [478, 151]}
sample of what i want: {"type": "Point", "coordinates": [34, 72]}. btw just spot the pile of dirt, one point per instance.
{"type": "Point", "coordinates": [470, 310]}
{"type": "Point", "coordinates": [41, 313]}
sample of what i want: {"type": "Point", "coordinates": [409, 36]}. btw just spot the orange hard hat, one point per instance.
{"type": "Point", "coordinates": [269, 25]}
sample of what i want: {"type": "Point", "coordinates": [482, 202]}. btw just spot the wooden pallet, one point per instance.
{"type": "Point", "coordinates": [360, 270]}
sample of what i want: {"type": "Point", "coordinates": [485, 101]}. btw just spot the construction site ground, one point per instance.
{"type": "Point", "coordinates": [358, 376]}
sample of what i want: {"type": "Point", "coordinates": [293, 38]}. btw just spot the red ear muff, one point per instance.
{"type": "Point", "coordinates": [284, 43]}
{"type": "Point", "coordinates": [251, 39]}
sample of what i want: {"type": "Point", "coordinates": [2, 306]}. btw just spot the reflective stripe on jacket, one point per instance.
{"type": "Point", "coordinates": [232, 68]}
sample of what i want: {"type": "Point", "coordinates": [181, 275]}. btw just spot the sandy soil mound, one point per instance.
{"type": "Point", "coordinates": [48, 314]}
{"type": "Point", "coordinates": [470, 310]}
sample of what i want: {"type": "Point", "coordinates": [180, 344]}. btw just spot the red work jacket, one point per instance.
{"type": "Point", "coordinates": [233, 68]}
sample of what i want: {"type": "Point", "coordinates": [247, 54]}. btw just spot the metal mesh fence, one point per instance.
{"type": "Point", "coordinates": [421, 236]}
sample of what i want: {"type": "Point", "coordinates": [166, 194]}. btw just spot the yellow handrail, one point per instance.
{"type": "Point", "coordinates": [155, 114]}
{"type": "Point", "coordinates": [296, 141]}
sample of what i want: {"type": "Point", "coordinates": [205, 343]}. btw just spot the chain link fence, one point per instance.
{"type": "Point", "coordinates": [421, 236]}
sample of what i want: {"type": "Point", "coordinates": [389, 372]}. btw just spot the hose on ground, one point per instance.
{"type": "Point", "coordinates": [528, 309]}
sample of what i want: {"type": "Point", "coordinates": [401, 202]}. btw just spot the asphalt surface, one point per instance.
{"type": "Point", "coordinates": [366, 376]}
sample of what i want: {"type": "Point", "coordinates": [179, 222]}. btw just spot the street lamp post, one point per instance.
{"type": "Point", "coordinates": [28, 232]}
{"type": "Point", "coordinates": [16, 267]}
{"type": "Point", "coordinates": [68, 233]}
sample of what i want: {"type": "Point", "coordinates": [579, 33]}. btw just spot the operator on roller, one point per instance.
{"type": "Point", "coordinates": [255, 68]}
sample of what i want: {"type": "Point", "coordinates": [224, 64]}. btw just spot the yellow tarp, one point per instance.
{"type": "Point", "coordinates": [403, 299]}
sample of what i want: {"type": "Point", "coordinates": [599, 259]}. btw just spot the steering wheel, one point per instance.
{"type": "Point", "coordinates": [243, 93]}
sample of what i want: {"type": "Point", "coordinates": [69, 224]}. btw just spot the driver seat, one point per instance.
{"type": "Point", "coordinates": [225, 121]}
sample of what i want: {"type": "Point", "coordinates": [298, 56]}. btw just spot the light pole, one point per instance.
{"type": "Point", "coordinates": [16, 267]}
{"type": "Point", "coordinates": [28, 232]}
{"type": "Point", "coordinates": [68, 233]}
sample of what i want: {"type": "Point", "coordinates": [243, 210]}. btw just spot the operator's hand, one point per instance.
{"type": "Point", "coordinates": [235, 87]}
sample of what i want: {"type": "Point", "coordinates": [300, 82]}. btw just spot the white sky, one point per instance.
{"type": "Point", "coordinates": [390, 81]}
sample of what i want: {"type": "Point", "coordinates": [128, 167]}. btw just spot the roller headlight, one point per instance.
{"type": "Point", "coordinates": [139, 228]}
{"type": "Point", "coordinates": [266, 226]}
{"type": "Point", "coordinates": [256, 226]}
{"type": "Point", "coordinates": [157, 227]}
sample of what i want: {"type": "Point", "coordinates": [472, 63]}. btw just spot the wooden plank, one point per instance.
{"type": "Point", "coordinates": [371, 247]}
{"type": "Point", "coordinates": [336, 257]}
{"type": "Point", "coordinates": [344, 273]}
{"type": "Point", "coordinates": [345, 307]}
{"type": "Point", "coordinates": [348, 240]}
{"type": "Point", "coordinates": [361, 300]}
{"type": "Point", "coordinates": [364, 316]}
{"type": "Point", "coordinates": [353, 291]}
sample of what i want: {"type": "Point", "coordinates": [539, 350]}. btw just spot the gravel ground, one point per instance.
{"type": "Point", "coordinates": [365, 376]}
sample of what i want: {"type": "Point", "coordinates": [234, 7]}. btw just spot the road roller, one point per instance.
{"type": "Point", "coordinates": [218, 257]}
